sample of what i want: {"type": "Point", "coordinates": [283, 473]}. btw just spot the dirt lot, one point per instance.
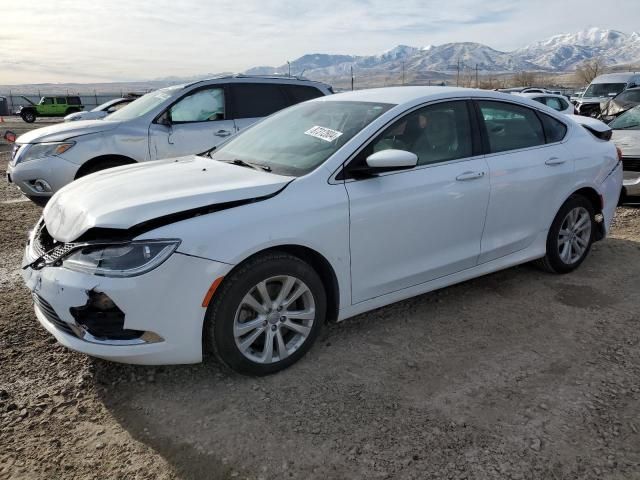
{"type": "Point", "coordinates": [516, 375]}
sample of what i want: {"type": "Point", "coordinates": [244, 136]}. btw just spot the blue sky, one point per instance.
{"type": "Point", "coordinates": [93, 40]}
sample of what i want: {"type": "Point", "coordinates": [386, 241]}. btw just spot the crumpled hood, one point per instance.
{"type": "Point", "coordinates": [64, 131]}
{"type": "Point", "coordinates": [615, 107]}
{"type": "Point", "coordinates": [123, 197]}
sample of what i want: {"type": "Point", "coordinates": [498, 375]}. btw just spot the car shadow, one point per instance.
{"type": "Point", "coordinates": [401, 386]}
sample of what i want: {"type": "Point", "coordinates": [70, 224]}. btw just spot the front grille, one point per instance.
{"type": "Point", "coordinates": [51, 315]}
{"type": "Point", "coordinates": [631, 164]}
{"type": "Point", "coordinates": [49, 249]}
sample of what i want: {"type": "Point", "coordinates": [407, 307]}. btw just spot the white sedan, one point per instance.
{"type": "Point", "coordinates": [558, 102]}
{"type": "Point", "coordinates": [320, 212]}
{"type": "Point", "coordinates": [101, 111]}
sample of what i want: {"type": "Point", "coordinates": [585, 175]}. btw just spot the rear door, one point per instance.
{"type": "Point", "coordinates": [530, 169]}
{"type": "Point", "coordinates": [197, 122]}
{"type": "Point", "coordinates": [253, 101]}
{"type": "Point", "coordinates": [410, 227]}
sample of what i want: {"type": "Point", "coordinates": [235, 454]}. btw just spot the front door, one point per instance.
{"type": "Point", "coordinates": [194, 124]}
{"type": "Point", "coordinates": [413, 226]}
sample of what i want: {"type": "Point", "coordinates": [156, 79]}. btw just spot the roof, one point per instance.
{"type": "Point", "coordinates": [410, 94]}
{"type": "Point", "coordinates": [242, 76]}
{"type": "Point", "coordinates": [615, 77]}
{"type": "Point", "coordinates": [539, 94]}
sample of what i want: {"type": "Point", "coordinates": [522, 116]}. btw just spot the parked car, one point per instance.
{"type": "Point", "coordinates": [575, 96]}
{"type": "Point", "coordinates": [626, 136]}
{"type": "Point", "coordinates": [169, 122]}
{"type": "Point", "coordinates": [100, 111]}
{"type": "Point", "coordinates": [604, 87]}
{"type": "Point", "coordinates": [50, 107]}
{"type": "Point", "coordinates": [322, 211]}
{"type": "Point", "coordinates": [557, 102]}
{"type": "Point", "coordinates": [619, 104]}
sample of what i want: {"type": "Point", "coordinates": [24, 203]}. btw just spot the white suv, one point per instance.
{"type": "Point", "coordinates": [170, 122]}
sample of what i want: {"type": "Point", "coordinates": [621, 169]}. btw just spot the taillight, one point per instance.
{"type": "Point", "coordinates": [619, 153]}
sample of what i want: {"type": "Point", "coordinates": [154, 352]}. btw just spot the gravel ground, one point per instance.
{"type": "Point", "coordinates": [519, 375]}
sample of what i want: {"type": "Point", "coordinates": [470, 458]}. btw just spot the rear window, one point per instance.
{"type": "Point", "coordinates": [604, 89]}
{"type": "Point", "coordinates": [251, 100]}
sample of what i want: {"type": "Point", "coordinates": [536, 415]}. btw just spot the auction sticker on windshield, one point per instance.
{"type": "Point", "coordinates": [323, 133]}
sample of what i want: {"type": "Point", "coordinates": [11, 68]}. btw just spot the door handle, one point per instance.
{"type": "Point", "coordinates": [222, 133]}
{"type": "Point", "coordinates": [469, 176]}
{"type": "Point", "coordinates": [555, 161]}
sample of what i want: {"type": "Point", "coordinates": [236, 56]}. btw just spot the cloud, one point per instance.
{"type": "Point", "coordinates": [129, 40]}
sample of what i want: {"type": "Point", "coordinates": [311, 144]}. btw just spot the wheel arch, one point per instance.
{"type": "Point", "coordinates": [102, 158]}
{"type": "Point", "coordinates": [318, 262]}
{"type": "Point", "coordinates": [596, 201]}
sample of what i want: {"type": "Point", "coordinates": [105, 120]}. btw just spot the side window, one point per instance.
{"type": "Point", "coordinates": [300, 93]}
{"type": "Point", "coordinates": [61, 100]}
{"type": "Point", "coordinates": [554, 130]}
{"type": "Point", "coordinates": [435, 133]}
{"type": "Point", "coordinates": [510, 127]}
{"type": "Point", "coordinates": [252, 100]}
{"type": "Point", "coordinates": [74, 101]}
{"type": "Point", "coordinates": [48, 101]}
{"type": "Point", "coordinates": [201, 106]}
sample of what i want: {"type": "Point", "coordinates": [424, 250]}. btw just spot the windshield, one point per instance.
{"type": "Point", "coordinates": [604, 89]}
{"type": "Point", "coordinates": [144, 104]}
{"type": "Point", "coordinates": [297, 140]}
{"type": "Point", "coordinates": [629, 120]}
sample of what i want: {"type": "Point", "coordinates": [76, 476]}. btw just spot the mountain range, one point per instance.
{"type": "Point", "coordinates": [560, 53]}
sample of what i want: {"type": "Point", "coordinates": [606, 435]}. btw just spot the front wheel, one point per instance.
{"type": "Point", "coordinates": [266, 314]}
{"type": "Point", "coordinates": [28, 116]}
{"type": "Point", "coordinates": [570, 236]}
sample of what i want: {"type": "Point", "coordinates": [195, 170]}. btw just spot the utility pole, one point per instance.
{"type": "Point", "coordinates": [289, 64]}
{"type": "Point", "coordinates": [351, 77]}
{"type": "Point", "coordinates": [403, 72]}
{"type": "Point", "coordinates": [476, 75]}
{"type": "Point", "coordinates": [458, 75]}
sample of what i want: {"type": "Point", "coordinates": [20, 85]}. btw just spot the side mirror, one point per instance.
{"type": "Point", "coordinates": [386, 161]}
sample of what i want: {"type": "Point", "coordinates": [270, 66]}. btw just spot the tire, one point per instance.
{"type": "Point", "coordinates": [71, 110]}
{"type": "Point", "coordinates": [29, 116]}
{"type": "Point", "coordinates": [567, 256]}
{"type": "Point", "coordinates": [100, 165]}
{"type": "Point", "coordinates": [229, 311]}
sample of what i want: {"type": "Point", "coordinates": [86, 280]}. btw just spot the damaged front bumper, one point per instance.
{"type": "Point", "coordinates": [151, 319]}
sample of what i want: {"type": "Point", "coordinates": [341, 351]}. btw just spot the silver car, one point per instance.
{"type": "Point", "coordinates": [170, 122]}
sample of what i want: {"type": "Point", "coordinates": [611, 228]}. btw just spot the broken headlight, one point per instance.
{"type": "Point", "coordinates": [122, 260]}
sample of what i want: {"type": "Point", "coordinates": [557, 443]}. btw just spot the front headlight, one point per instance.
{"type": "Point", "coordinates": [40, 150]}
{"type": "Point", "coordinates": [121, 260]}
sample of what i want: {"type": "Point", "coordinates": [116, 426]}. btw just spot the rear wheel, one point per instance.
{"type": "Point", "coordinates": [570, 236]}
{"type": "Point", "coordinates": [72, 110]}
{"type": "Point", "coordinates": [266, 314]}
{"type": "Point", "coordinates": [28, 116]}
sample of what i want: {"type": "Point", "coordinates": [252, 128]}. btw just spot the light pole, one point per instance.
{"type": "Point", "coordinates": [289, 64]}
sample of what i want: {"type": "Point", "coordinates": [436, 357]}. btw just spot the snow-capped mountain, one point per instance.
{"type": "Point", "coordinates": [564, 52]}
{"type": "Point", "coordinates": [558, 53]}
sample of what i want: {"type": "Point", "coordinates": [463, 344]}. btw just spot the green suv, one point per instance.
{"type": "Point", "coordinates": [50, 107]}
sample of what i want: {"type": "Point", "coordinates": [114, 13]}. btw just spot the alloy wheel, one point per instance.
{"type": "Point", "coordinates": [274, 319]}
{"type": "Point", "coordinates": [574, 235]}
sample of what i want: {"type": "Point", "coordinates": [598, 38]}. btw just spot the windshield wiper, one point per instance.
{"type": "Point", "coordinates": [255, 166]}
